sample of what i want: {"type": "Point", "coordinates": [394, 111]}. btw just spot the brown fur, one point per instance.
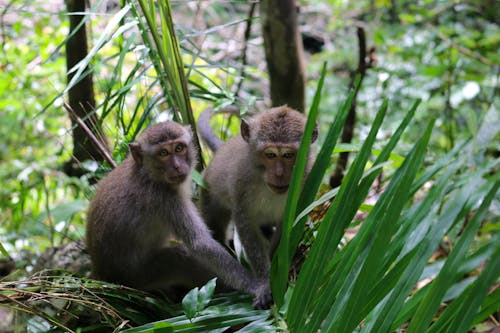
{"type": "Point", "coordinates": [248, 185]}
{"type": "Point", "coordinates": [143, 229]}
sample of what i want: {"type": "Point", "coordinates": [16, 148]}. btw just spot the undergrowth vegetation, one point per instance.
{"type": "Point", "coordinates": [407, 243]}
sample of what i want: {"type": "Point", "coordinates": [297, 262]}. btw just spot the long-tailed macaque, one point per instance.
{"type": "Point", "coordinates": [248, 178]}
{"type": "Point", "coordinates": [145, 232]}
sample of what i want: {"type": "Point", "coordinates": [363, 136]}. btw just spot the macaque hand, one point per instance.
{"type": "Point", "coordinates": [262, 296]}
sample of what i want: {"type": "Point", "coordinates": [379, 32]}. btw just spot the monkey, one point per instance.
{"type": "Point", "coordinates": [144, 230]}
{"type": "Point", "coordinates": [248, 177]}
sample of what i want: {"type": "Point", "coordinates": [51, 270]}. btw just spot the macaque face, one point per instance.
{"type": "Point", "coordinates": [168, 162]}
{"type": "Point", "coordinates": [275, 136]}
{"type": "Point", "coordinates": [278, 161]}
{"type": "Point", "coordinates": [164, 153]}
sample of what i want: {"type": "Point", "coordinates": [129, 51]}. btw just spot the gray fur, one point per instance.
{"type": "Point", "coordinates": [237, 184]}
{"type": "Point", "coordinates": [146, 233]}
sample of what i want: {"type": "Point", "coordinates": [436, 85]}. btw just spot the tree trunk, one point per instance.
{"type": "Point", "coordinates": [284, 53]}
{"type": "Point", "coordinates": [81, 95]}
{"type": "Point", "coordinates": [366, 59]}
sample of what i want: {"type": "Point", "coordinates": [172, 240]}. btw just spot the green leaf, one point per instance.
{"type": "Point", "coordinates": [292, 228]}
{"type": "Point", "coordinates": [380, 228]}
{"type": "Point", "coordinates": [64, 211]}
{"type": "Point", "coordinates": [166, 57]}
{"type": "Point", "coordinates": [198, 179]}
{"type": "Point", "coordinates": [111, 31]}
{"type": "Point", "coordinates": [489, 306]}
{"type": "Point", "coordinates": [412, 303]}
{"type": "Point", "coordinates": [430, 304]}
{"type": "Point", "coordinates": [312, 275]}
{"type": "Point", "coordinates": [190, 303]}
{"type": "Point", "coordinates": [205, 294]}
{"type": "Point", "coordinates": [3, 251]}
{"type": "Point", "coordinates": [281, 260]}
{"type": "Point", "coordinates": [198, 298]}
{"type": "Point", "coordinates": [228, 312]}
{"type": "Point", "coordinates": [322, 162]}
{"type": "Point", "coordinates": [434, 229]}
{"type": "Point", "coordinates": [459, 315]}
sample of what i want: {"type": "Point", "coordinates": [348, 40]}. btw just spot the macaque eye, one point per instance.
{"type": "Point", "coordinates": [289, 155]}
{"type": "Point", "coordinates": [270, 155]}
{"type": "Point", "coordinates": [179, 148]}
{"type": "Point", "coordinates": [163, 152]}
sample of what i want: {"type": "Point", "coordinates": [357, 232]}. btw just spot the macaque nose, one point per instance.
{"type": "Point", "coordinates": [176, 164]}
{"type": "Point", "coordinates": [280, 170]}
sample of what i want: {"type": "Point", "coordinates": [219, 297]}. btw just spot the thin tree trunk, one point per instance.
{"type": "Point", "coordinates": [365, 61]}
{"type": "Point", "coordinates": [284, 52]}
{"type": "Point", "coordinates": [81, 95]}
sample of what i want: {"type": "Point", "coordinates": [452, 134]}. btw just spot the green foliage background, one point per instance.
{"type": "Point", "coordinates": [444, 54]}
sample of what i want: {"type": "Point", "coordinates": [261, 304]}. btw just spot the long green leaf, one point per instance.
{"type": "Point", "coordinates": [343, 272]}
{"type": "Point", "coordinates": [281, 260]}
{"type": "Point", "coordinates": [438, 165]}
{"type": "Point", "coordinates": [3, 251]}
{"type": "Point", "coordinates": [82, 67]}
{"type": "Point", "coordinates": [404, 268]}
{"type": "Point", "coordinates": [437, 227]}
{"type": "Point", "coordinates": [412, 303]}
{"type": "Point", "coordinates": [108, 34]}
{"type": "Point", "coordinates": [430, 304]}
{"type": "Point", "coordinates": [351, 252]}
{"type": "Point", "coordinates": [233, 315]}
{"type": "Point", "coordinates": [321, 163]}
{"type": "Point", "coordinates": [167, 60]}
{"type": "Point", "coordinates": [489, 307]}
{"type": "Point", "coordinates": [329, 235]}
{"type": "Point", "coordinates": [382, 221]}
{"type": "Point", "coordinates": [459, 315]}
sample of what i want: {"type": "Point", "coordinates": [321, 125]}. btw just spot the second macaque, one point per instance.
{"type": "Point", "coordinates": [248, 179]}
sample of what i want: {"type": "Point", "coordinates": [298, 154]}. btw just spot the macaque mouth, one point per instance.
{"type": "Point", "coordinates": [177, 179]}
{"type": "Point", "coordinates": [279, 189]}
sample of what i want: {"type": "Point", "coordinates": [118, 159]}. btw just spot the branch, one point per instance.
{"type": "Point", "coordinates": [466, 51]}
{"type": "Point", "coordinates": [100, 147]}
{"type": "Point", "coordinates": [365, 60]}
{"type": "Point", "coordinates": [248, 30]}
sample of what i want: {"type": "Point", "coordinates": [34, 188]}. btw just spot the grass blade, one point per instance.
{"type": "Point", "coordinates": [320, 165]}
{"type": "Point", "coordinates": [436, 229]}
{"type": "Point", "coordinates": [329, 234]}
{"type": "Point", "coordinates": [430, 304]}
{"type": "Point", "coordinates": [341, 273]}
{"type": "Point", "coordinates": [380, 226]}
{"type": "Point", "coordinates": [234, 315]}
{"type": "Point", "coordinates": [349, 251]}
{"type": "Point", "coordinates": [459, 315]}
{"type": "Point", "coordinates": [166, 58]}
{"type": "Point", "coordinates": [281, 260]}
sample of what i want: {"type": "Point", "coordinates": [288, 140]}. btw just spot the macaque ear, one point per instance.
{"type": "Point", "coordinates": [245, 130]}
{"type": "Point", "coordinates": [136, 151]}
{"type": "Point", "coordinates": [314, 133]}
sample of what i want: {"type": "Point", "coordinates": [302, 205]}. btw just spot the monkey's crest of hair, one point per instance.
{"type": "Point", "coordinates": [279, 125]}
{"type": "Point", "coordinates": [165, 131]}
